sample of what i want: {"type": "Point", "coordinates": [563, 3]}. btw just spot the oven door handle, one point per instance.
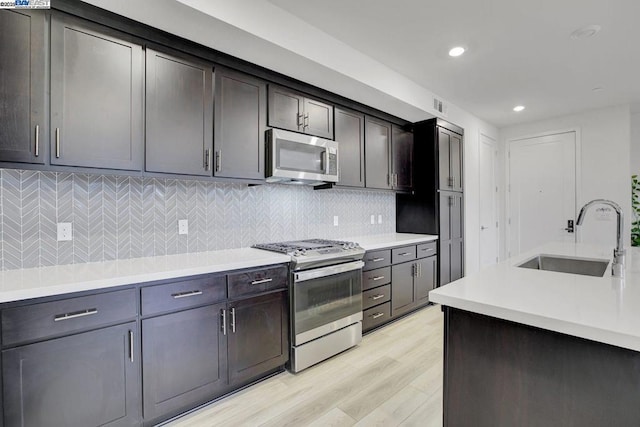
{"type": "Point", "coordinates": [327, 271]}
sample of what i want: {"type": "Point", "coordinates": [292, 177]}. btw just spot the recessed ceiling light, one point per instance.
{"type": "Point", "coordinates": [518, 108]}
{"type": "Point", "coordinates": [585, 32]}
{"type": "Point", "coordinates": [456, 51]}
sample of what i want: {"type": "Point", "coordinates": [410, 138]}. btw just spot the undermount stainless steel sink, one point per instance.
{"type": "Point", "coordinates": [584, 266]}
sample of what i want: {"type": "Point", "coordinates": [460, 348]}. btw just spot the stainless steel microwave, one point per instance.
{"type": "Point", "coordinates": [295, 158]}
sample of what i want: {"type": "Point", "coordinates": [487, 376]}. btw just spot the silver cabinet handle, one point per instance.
{"type": "Point", "coordinates": [450, 181]}
{"type": "Point", "coordinates": [404, 254]}
{"type": "Point", "coordinates": [233, 320]}
{"type": "Point", "coordinates": [376, 259]}
{"type": "Point", "coordinates": [414, 270]}
{"type": "Point", "coordinates": [375, 297]}
{"type": "Point", "coordinates": [218, 160]}
{"type": "Point", "coordinates": [427, 249]}
{"type": "Point", "coordinates": [206, 159]}
{"type": "Point", "coordinates": [299, 118]}
{"type": "Point", "coordinates": [57, 143]}
{"type": "Point", "coordinates": [376, 315]}
{"type": "Point", "coordinates": [259, 282]}
{"type": "Point", "coordinates": [75, 314]}
{"type": "Point", "coordinates": [375, 279]}
{"type": "Point", "coordinates": [186, 294]}
{"type": "Point", "coordinates": [37, 149]}
{"type": "Point", "coordinates": [131, 346]}
{"type": "Point", "coordinates": [419, 270]}
{"type": "Point", "coordinates": [450, 200]}
{"type": "Point", "coordinates": [306, 121]}
{"type": "Point", "coordinates": [223, 313]}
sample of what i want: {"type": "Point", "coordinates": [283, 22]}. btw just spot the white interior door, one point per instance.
{"type": "Point", "coordinates": [542, 190]}
{"type": "Point", "coordinates": [488, 202]}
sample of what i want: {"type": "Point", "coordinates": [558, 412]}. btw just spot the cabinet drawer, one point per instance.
{"type": "Point", "coordinates": [405, 253]}
{"type": "Point", "coordinates": [377, 259]}
{"type": "Point", "coordinates": [376, 296]}
{"type": "Point", "coordinates": [427, 249]}
{"type": "Point", "coordinates": [377, 277]}
{"type": "Point", "coordinates": [376, 315]}
{"type": "Point", "coordinates": [37, 321]}
{"type": "Point", "coordinates": [256, 281]}
{"type": "Point", "coordinates": [183, 294]}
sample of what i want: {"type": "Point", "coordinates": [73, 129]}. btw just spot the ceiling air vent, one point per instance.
{"type": "Point", "coordinates": [440, 106]}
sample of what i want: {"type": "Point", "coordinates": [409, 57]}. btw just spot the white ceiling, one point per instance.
{"type": "Point", "coordinates": [519, 52]}
{"type": "Point", "coordinates": [392, 55]}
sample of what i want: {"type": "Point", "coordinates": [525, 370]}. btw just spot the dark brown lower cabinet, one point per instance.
{"type": "Point", "coordinates": [258, 336]}
{"type": "Point", "coordinates": [88, 379]}
{"type": "Point", "coordinates": [501, 373]}
{"type": "Point", "coordinates": [184, 360]}
{"type": "Point", "coordinates": [411, 283]}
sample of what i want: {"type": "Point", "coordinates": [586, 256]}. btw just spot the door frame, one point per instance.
{"type": "Point", "coordinates": [494, 144]}
{"type": "Point", "coordinates": [578, 177]}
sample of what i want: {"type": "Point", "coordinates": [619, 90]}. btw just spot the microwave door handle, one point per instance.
{"type": "Point", "coordinates": [325, 160]}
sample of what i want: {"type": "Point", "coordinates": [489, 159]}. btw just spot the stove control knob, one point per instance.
{"type": "Point", "coordinates": [296, 253]}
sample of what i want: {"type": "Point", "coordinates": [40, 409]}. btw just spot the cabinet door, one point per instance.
{"type": "Point", "coordinates": [402, 287]}
{"type": "Point", "coordinates": [89, 379]}
{"type": "Point", "coordinates": [456, 161]}
{"type": "Point", "coordinates": [444, 159]}
{"type": "Point", "coordinates": [457, 259]}
{"type": "Point", "coordinates": [456, 215]}
{"type": "Point", "coordinates": [426, 279]}
{"type": "Point", "coordinates": [446, 205]}
{"type": "Point", "coordinates": [285, 109]}
{"type": "Point", "coordinates": [349, 132]}
{"type": "Point", "coordinates": [22, 86]}
{"type": "Point", "coordinates": [96, 97]}
{"type": "Point", "coordinates": [240, 122]}
{"type": "Point", "coordinates": [183, 362]}
{"type": "Point", "coordinates": [258, 336]}
{"type": "Point", "coordinates": [318, 118]}
{"type": "Point", "coordinates": [377, 140]}
{"type": "Point", "coordinates": [179, 114]}
{"type": "Point", "coordinates": [402, 158]}
{"type": "Point", "coordinates": [444, 255]}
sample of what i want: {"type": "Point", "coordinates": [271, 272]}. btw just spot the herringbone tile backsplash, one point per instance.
{"type": "Point", "coordinates": [130, 217]}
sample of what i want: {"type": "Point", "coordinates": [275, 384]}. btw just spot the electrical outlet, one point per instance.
{"type": "Point", "coordinates": [379, 219]}
{"type": "Point", "coordinates": [335, 220]}
{"type": "Point", "coordinates": [65, 232]}
{"type": "Point", "coordinates": [373, 219]}
{"type": "Point", "coordinates": [183, 226]}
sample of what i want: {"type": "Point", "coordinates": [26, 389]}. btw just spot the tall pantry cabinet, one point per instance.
{"type": "Point", "coordinates": [437, 203]}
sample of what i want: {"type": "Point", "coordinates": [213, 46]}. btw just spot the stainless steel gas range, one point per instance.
{"type": "Point", "coordinates": [325, 298]}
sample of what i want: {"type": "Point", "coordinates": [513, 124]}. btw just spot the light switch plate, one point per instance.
{"type": "Point", "coordinates": [183, 226]}
{"type": "Point", "coordinates": [379, 219]}
{"type": "Point", "coordinates": [65, 231]}
{"type": "Point", "coordinates": [373, 219]}
{"type": "Point", "coordinates": [335, 220]}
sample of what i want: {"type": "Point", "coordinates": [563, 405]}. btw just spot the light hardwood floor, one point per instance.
{"type": "Point", "coordinates": [393, 378]}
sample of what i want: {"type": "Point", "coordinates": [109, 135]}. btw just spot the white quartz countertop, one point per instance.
{"type": "Point", "coordinates": [16, 285]}
{"type": "Point", "coordinates": [603, 309]}
{"type": "Point", "coordinates": [29, 283]}
{"type": "Point", "coordinates": [380, 241]}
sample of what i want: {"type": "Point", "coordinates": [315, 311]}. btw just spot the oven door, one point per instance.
{"type": "Point", "coordinates": [325, 300]}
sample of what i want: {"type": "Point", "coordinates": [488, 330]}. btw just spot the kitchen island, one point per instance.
{"type": "Point", "coordinates": [531, 347]}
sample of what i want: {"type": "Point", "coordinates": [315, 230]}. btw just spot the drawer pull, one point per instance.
{"type": "Point", "coordinates": [131, 346]}
{"type": "Point", "coordinates": [376, 297]}
{"type": "Point", "coordinates": [376, 315]}
{"type": "Point", "coordinates": [375, 279]}
{"type": "Point", "coordinates": [404, 254]}
{"type": "Point", "coordinates": [75, 314]}
{"type": "Point", "coordinates": [223, 314]}
{"type": "Point", "coordinates": [376, 259]}
{"type": "Point", "coordinates": [260, 282]}
{"type": "Point", "coordinates": [427, 249]}
{"type": "Point", "coordinates": [186, 294]}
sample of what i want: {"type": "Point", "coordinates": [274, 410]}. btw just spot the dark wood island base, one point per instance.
{"type": "Point", "coordinates": [501, 373]}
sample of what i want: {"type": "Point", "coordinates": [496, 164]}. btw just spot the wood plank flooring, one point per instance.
{"type": "Point", "coordinates": [393, 378]}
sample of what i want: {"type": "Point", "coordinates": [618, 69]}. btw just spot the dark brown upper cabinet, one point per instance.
{"type": "Point", "coordinates": [349, 133]}
{"type": "Point", "coordinates": [240, 124]}
{"type": "Point", "coordinates": [179, 114]}
{"type": "Point", "coordinates": [449, 160]}
{"type": "Point", "coordinates": [294, 111]}
{"type": "Point", "coordinates": [401, 158]}
{"type": "Point", "coordinates": [377, 139]}
{"type": "Point", "coordinates": [96, 96]}
{"type": "Point", "coordinates": [23, 130]}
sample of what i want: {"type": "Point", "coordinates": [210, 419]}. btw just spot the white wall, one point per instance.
{"type": "Point", "coordinates": [635, 143]}
{"type": "Point", "coordinates": [604, 140]}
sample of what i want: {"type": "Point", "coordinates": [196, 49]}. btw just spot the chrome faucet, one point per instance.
{"type": "Point", "coordinates": [617, 268]}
